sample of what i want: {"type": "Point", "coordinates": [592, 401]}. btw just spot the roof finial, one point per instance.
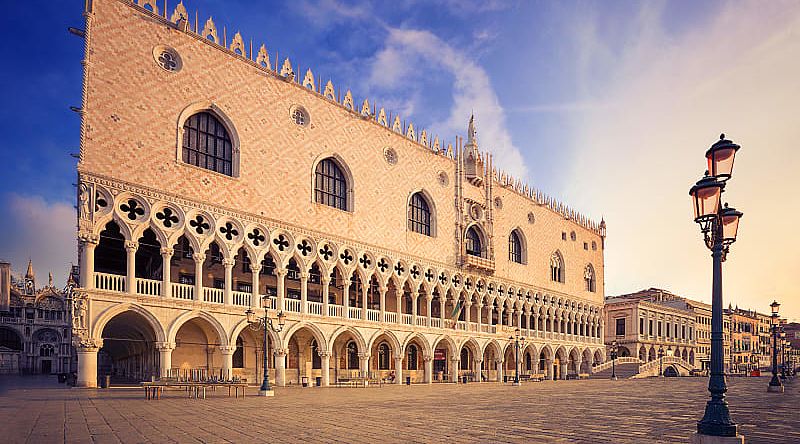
{"type": "Point", "coordinates": [472, 138]}
{"type": "Point", "coordinates": [29, 274]}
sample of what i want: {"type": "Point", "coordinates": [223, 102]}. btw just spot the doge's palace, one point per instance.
{"type": "Point", "coordinates": [215, 177]}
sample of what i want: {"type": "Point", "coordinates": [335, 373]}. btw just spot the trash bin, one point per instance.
{"type": "Point", "coordinates": [319, 381]}
{"type": "Point", "coordinates": [408, 380]}
{"type": "Point", "coordinates": [464, 379]}
{"type": "Point", "coordinates": [304, 379]}
{"type": "Point", "coordinates": [505, 378]}
{"type": "Point", "coordinates": [105, 381]}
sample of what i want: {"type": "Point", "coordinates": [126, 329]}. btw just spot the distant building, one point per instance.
{"type": "Point", "coordinates": [792, 330]}
{"type": "Point", "coordinates": [642, 327]}
{"type": "Point", "coordinates": [35, 326]}
{"type": "Point", "coordinates": [751, 344]}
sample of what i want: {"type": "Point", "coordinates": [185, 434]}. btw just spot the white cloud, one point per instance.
{"type": "Point", "coordinates": [32, 228]}
{"type": "Point", "coordinates": [472, 90]}
{"type": "Point", "coordinates": [668, 97]}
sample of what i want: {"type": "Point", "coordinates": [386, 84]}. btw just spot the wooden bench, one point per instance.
{"type": "Point", "coordinates": [538, 377]}
{"type": "Point", "coordinates": [583, 376]}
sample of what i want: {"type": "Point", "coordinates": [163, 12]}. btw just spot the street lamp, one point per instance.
{"type": "Point", "coordinates": [775, 385]}
{"type": "Point", "coordinates": [266, 323]}
{"type": "Point", "coordinates": [614, 351]}
{"type": "Point", "coordinates": [783, 354]}
{"type": "Point", "coordinates": [719, 227]}
{"type": "Point", "coordinates": [660, 360]}
{"type": "Point", "coordinates": [517, 340]}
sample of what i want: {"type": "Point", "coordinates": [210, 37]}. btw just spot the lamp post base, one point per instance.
{"type": "Point", "coordinates": [266, 393]}
{"type": "Point", "coordinates": [516, 383]}
{"type": "Point", "coordinates": [698, 438]}
{"type": "Point", "coordinates": [614, 378]}
{"type": "Point", "coordinates": [774, 388]}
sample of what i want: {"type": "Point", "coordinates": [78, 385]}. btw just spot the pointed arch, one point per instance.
{"type": "Point", "coordinates": [421, 212]}
{"type": "Point", "coordinates": [181, 320]}
{"type": "Point", "coordinates": [475, 240]}
{"type": "Point", "coordinates": [110, 313]}
{"type": "Point", "coordinates": [517, 246]}
{"type": "Point", "coordinates": [332, 182]}
{"type": "Point", "coordinates": [557, 271]}
{"type": "Point", "coordinates": [196, 119]}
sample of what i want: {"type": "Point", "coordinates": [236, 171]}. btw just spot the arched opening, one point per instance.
{"type": "Point", "coordinates": [489, 365]}
{"type": "Point", "coordinates": [442, 353]}
{"type": "Point", "coordinates": [304, 358]}
{"type": "Point", "coordinates": [589, 278]}
{"type": "Point", "coordinates": [148, 256]}
{"type": "Point", "coordinates": [347, 351]}
{"type": "Point", "coordinates": [109, 255]}
{"type": "Point", "coordinates": [557, 267]}
{"type": "Point", "coordinates": [331, 185]}
{"type": "Point", "coordinates": [197, 354]}
{"type": "Point", "coordinates": [671, 372]}
{"type": "Point", "coordinates": [207, 144]}
{"type": "Point", "coordinates": [473, 242]}
{"type": "Point", "coordinates": [182, 269]}
{"type": "Point", "coordinates": [420, 218]}
{"type": "Point", "coordinates": [128, 354]}
{"type": "Point", "coordinates": [516, 247]}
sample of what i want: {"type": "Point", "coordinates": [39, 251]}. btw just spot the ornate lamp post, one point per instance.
{"type": "Point", "coordinates": [719, 227]}
{"type": "Point", "coordinates": [660, 360]}
{"type": "Point", "coordinates": [783, 354]}
{"type": "Point", "coordinates": [614, 351]}
{"type": "Point", "coordinates": [266, 323]}
{"type": "Point", "coordinates": [517, 340]}
{"type": "Point", "coordinates": [775, 385]}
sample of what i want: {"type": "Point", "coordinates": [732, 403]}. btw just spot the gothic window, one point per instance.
{"type": "Point", "coordinates": [206, 144]}
{"type": "Point", "coordinates": [515, 247]}
{"type": "Point", "coordinates": [412, 357]}
{"type": "Point", "coordinates": [352, 356]}
{"type": "Point", "coordinates": [46, 350]}
{"type": "Point", "coordinates": [216, 253]}
{"type": "Point", "coordinates": [419, 215]}
{"type": "Point", "coordinates": [588, 277]}
{"type": "Point", "coordinates": [556, 268]}
{"type": "Point", "coordinates": [238, 355]}
{"type": "Point", "coordinates": [330, 187]}
{"type": "Point", "coordinates": [383, 356]}
{"type": "Point", "coordinates": [473, 242]}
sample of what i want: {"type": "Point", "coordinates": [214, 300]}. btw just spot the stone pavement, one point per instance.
{"type": "Point", "coordinates": [590, 411]}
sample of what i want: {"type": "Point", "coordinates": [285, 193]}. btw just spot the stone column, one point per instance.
{"type": "Point", "coordinates": [165, 358]}
{"type": "Point", "coordinates": [363, 364]}
{"type": "Point", "coordinates": [166, 268]}
{"type": "Point", "coordinates": [326, 284]}
{"type": "Point", "coordinates": [467, 307]}
{"type": "Point", "coordinates": [478, 370]}
{"type": "Point", "coordinates": [130, 280]}
{"type": "Point", "coordinates": [398, 369]}
{"type": "Point", "coordinates": [303, 291]}
{"type": "Point", "coordinates": [500, 313]}
{"type": "Point", "coordinates": [480, 315]}
{"type": "Point", "coordinates": [280, 367]}
{"type": "Point", "coordinates": [399, 295]}
{"type": "Point", "coordinates": [509, 314]}
{"type": "Point", "coordinates": [87, 362]}
{"type": "Point", "coordinates": [280, 274]}
{"type": "Point", "coordinates": [227, 360]}
{"type": "Point", "coordinates": [227, 292]}
{"type": "Point", "coordinates": [428, 303]}
{"type": "Point", "coordinates": [500, 369]}
{"type": "Point", "coordinates": [455, 362]}
{"type": "Point", "coordinates": [346, 298]}
{"type": "Point", "coordinates": [89, 242]}
{"type": "Point", "coordinates": [255, 293]}
{"type": "Point", "coordinates": [519, 318]}
{"type": "Point", "coordinates": [414, 297]}
{"type": "Point", "coordinates": [442, 302]}
{"type": "Point", "coordinates": [564, 370]}
{"type": "Point", "coordinates": [364, 299]}
{"type": "Point", "coordinates": [548, 369]}
{"type": "Point", "coordinates": [199, 258]}
{"type": "Point", "coordinates": [428, 369]}
{"type": "Point", "coordinates": [325, 357]}
{"type": "Point", "coordinates": [382, 290]}
{"type": "Point", "coordinates": [578, 364]}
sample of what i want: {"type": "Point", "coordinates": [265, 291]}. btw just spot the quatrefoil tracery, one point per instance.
{"type": "Point", "coordinates": [304, 247]}
{"type": "Point", "coordinates": [383, 265]}
{"type": "Point", "coordinates": [326, 252]}
{"type": "Point", "coordinates": [167, 217]}
{"type": "Point", "coordinates": [229, 231]}
{"type": "Point", "coordinates": [281, 242]}
{"type": "Point", "coordinates": [256, 237]}
{"type": "Point", "coordinates": [199, 224]}
{"type": "Point", "coordinates": [347, 257]}
{"type": "Point", "coordinates": [132, 208]}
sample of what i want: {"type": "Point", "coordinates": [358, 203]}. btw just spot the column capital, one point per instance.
{"type": "Point", "coordinates": [255, 268]}
{"type": "Point", "coordinates": [326, 280]}
{"type": "Point", "coordinates": [166, 251]}
{"type": "Point", "coordinates": [199, 257]}
{"type": "Point", "coordinates": [363, 355]}
{"type": "Point", "coordinates": [88, 345]}
{"type": "Point", "coordinates": [87, 237]}
{"type": "Point", "coordinates": [427, 358]}
{"type": "Point", "coordinates": [323, 354]}
{"type": "Point", "coordinates": [227, 349]}
{"type": "Point", "coordinates": [281, 272]}
{"type": "Point", "coordinates": [165, 346]}
{"type": "Point", "coordinates": [228, 262]}
{"type": "Point", "coordinates": [131, 245]}
{"type": "Point", "coordinates": [280, 352]}
{"type": "Point", "coordinates": [498, 361]}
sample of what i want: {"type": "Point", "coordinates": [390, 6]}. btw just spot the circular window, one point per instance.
{"type": "Point", "coordinates": [443, 179]}
{"type": "Point", "coordinates": [531, 218]}
{"type": "Point", "coordinates": [299, 116]}
{"type": "Point", "coordinates": [167, 58]}
{"type": "Point", "coordinates": [498, 203]}
{"type": "Point", "coordinates": [390, 155]}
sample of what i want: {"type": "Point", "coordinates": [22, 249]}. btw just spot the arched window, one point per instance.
{"type": "Point", "coordinates": [527, 361]}
{"type": "Point", "coordinates": [46, 350]}
{"type": "Point", "coordinates": [352, 356]}
{"type": "Point", "coordinates": [316, 360]}
{"type": "Point", "coordinates": [206, 143]}
{"type": "Point", "coordinates": [464, 359]}
{"type": "Point", "coordinates": [238, 355]}
{"type": "Point", "coordinates": [556, 268]}
{"type": "Point", "coordinates": [515, 247]}
{"type": "Point", "coordinates": [473, 241]}
{"type": "Point", "coordinates": [588, 277]}
{"type": "Point", "coordinates": [412, 357]}
{"type": "Point", "coordinates": [383, 356]}
{"type": "Point", "coordinates": [330, 185]}
{"type": "Point", "coordinates": [419, 215]}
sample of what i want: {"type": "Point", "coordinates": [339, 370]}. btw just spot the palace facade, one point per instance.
{"type": "Point", "coordinates": [213, 180]}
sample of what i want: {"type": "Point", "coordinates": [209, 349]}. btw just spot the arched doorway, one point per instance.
{"type": "Point", "coordinates": [128, 354]}
{"type": "Point", "coordinates": [197, 353]}
{"type": "Point", "coordinates": [671, 372]}
{"type": "Point", "coordinates": [443, 350]}
{"type": "Point", "coordinates": [348, 350]}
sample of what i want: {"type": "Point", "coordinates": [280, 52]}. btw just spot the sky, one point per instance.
{"type": "Point", "coordinates": [608, 106]}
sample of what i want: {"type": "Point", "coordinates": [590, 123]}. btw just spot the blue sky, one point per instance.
{"type": "Point", "coordinates": [606, 105]}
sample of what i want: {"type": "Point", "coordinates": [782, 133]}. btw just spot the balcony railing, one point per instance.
{"type": "Point", "coordinates": [151, 287]}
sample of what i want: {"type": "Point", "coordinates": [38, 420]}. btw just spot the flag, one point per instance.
{"type": "Point", "coordinates": [456, 312]}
